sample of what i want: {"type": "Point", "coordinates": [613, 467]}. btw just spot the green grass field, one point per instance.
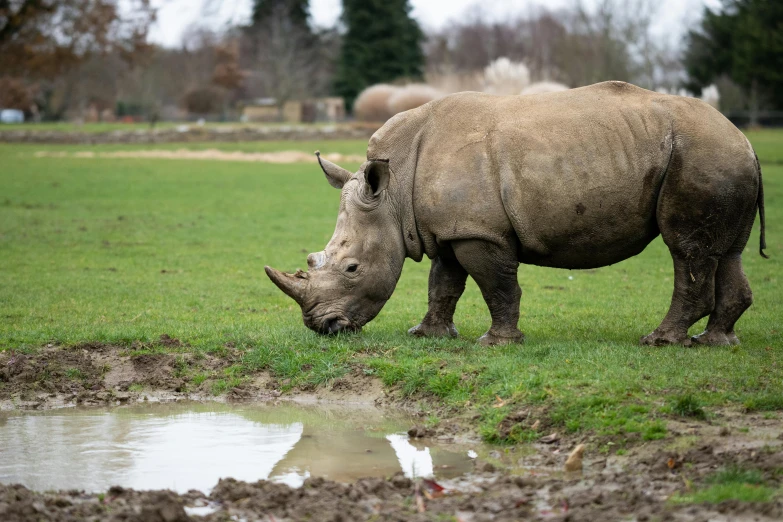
{"type": "Point", "coordinates": [126, 250]}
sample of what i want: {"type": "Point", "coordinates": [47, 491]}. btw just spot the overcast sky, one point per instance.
{"type": "Point", "coordinates": [174, 16]}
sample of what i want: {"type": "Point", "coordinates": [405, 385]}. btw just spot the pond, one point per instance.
{"type": "Point", "coordinates": [183, 446]}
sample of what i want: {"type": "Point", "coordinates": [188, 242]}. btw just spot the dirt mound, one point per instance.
{"type": "Point", "coordinates": [166, 369]}
{"type": "Point", "coordinates": [639, 492]}
{"type": "Point", "coordinates": [19, 504]}
{"type": "Point", "coordinates": [50, 371]}
{"type": "Point", "coordinates": [97, 373]}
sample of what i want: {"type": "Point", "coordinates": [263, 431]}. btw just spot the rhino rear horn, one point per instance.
{"type": "Point", "coordinates": [293, 286]}
{"type": "Point", "coordinates": [335, 174]}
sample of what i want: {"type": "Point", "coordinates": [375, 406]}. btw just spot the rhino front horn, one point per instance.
{"type": "Point", "coordinates": [293, 286]}
{"type": "Point", "coordinates": [335, 174]}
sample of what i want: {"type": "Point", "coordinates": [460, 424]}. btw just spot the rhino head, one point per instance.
{"type": "Point", "coordinates": [348, 282]}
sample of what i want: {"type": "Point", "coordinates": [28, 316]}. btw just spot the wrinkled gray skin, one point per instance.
{"type": "Point", "coordinates": [576, 179]}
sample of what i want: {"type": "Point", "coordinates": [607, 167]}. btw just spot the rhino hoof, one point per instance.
{"type": "Point", "coordinates": [656, 339]}
{"type": "Point", "coordinates": [491, 339]}
{"type": "Point", "coordinates": [709, 338]}
{"type": "Point", "coordinates": [434, 330]}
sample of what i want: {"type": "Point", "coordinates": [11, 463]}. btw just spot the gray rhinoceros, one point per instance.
{"type": "Point", "coordinates": [577, 179]}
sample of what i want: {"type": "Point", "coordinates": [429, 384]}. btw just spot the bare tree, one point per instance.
{"type": "Point", "coordinates": [284, 60]}
{"type": "Point", "coordinates": [584, 43]}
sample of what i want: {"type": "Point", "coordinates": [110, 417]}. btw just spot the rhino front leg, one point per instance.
{"type": "Point", "coordinates": [494, 268]}
{"type": "Point", "coordinates": [446, 284]}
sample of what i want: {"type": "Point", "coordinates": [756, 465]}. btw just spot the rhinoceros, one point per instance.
{"type": "Point", "coordinates": [577, 179]}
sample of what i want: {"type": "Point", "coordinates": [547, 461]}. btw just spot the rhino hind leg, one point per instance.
{"type": "Point", "coordinates": [446, 284]}
{"type": "Point", "coordinates": [732, 297]}
{"type": "Point", "coordinates": [693, 299]}
{"type": "Point", "coordinates": [494, 268]}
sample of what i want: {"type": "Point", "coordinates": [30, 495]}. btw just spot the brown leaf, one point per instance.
{"type": "Point", "coordinates": [500, 402]}
{"type": "Point", "coordinates": [535, 425]}
{"type": "Point", "coordinates": [550, 439]}
{"type": "Point", "coordinates": [432, 485]}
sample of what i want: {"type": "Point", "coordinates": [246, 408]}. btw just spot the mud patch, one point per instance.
{"type": "Point", "coordinates": [637, 492]}
{"type": "Point", "coordinates": [166, 370]}
{"type": "Point", "coordinates": [289, 156]}
{"type": "Point", "coordinates": [95, 373]}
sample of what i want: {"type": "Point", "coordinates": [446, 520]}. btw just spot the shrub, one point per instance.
{"type": "Point", "coordinates": [203, 100]}
{"type": "Point", "coordinates": [14, 94]}
{"type": "Point", "coordinates": [372, 104]}
{"type": "Point", "coordinates": [543, 87]}
{"type": "Point", "coordinates": [412, 96]}
{"type": "Point", "coordinates": [506, 77]}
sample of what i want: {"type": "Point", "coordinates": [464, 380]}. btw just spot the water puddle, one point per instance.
{"type": "Point", "coordinates": [182, 446]}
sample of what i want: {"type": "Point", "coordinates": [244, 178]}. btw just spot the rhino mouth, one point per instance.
{"type": "Point", "coordinates": [333, 325]}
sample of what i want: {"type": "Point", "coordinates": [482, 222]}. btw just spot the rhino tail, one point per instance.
{"type": "Point", "coordinates": [760, 204]}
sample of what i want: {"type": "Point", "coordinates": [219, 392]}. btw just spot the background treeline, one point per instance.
{"type": "Point", "coordinates": [78, 58]}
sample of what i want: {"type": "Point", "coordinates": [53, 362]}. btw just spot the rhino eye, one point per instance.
{"type": "Point", "coordinates": [351, 268]}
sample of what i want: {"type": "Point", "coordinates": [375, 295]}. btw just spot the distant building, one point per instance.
{"type": "Point", "coordinates": [296, 111]}
{"type": "Point", "coordinates": [11, 116]}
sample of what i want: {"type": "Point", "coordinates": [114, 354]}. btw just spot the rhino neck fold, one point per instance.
{"type": "Point", "coordinates": [398, 142]}
{"type": "Point", "coordinates": [410, 233]}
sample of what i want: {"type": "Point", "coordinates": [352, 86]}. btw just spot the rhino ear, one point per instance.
{"type": "Point", "coordinates": [377, 175]}
{"type": "Point", "coordinates": [335, 174]}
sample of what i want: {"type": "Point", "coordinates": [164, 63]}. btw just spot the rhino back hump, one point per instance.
{"type": "Point", "coordinates": [574, 172]}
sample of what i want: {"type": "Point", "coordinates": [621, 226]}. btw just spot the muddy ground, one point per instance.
{"type": "Point", "coordinates": [98, 374]}
{"type": "Point", "coordinates": [511, 484]}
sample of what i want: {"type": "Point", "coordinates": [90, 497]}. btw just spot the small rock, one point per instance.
{"type": "Point", "coordinates": [486, 467]}
{"type": "Point", "coordinates": [418, 432]}
{"type": "Point", "coordinates": [400, 481]}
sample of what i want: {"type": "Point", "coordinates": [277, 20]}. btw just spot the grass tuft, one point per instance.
{"type": "Point", "coordinates": [688, 406]}
{"type": "Point", "coordinates": [736, 475]}
{"type": "Point", "coordinates": [74, 374]}
{"type": "Point", "coordinates": [764, 403]}
{"type": "Point", "coordinates": [722, 492]}
{"type": "Point", "coordinates": [731, 483]}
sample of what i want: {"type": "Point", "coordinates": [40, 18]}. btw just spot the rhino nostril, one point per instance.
{"type": "Point", "coordinates": [332, 326]}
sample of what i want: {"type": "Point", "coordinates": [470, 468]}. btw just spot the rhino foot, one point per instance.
{"type": "Point", "coordinates": [664, 339]}
{"type": "Point", "coordinates": [434, 330]}
{"type": "Point", "coordinates": [493, 339]}
{"type": "Point", "coordinates": [713, 338]}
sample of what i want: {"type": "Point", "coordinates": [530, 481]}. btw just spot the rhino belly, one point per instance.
{"type": "Point", "coordinates": [587, 223]}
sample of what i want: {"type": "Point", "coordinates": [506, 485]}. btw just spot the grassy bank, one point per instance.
{"type": "Point", "coordinates": [123, 251]}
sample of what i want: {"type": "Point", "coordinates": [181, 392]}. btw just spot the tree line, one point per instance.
{"type": "Point", "coordinates": [60, 58]}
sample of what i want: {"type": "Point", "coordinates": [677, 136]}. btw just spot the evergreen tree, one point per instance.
{"type": "Point", "coordinates": [382, 44]}
{"type": "Point", "coordinates": [744, 41]}
{"type": "Point", "coordinates": [297, 11]}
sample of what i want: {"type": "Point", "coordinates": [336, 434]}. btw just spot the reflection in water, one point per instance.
{"type": "Point", "coordinates": [190, 446]}
{"type": "Point", "coordinates": [414, 462]}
